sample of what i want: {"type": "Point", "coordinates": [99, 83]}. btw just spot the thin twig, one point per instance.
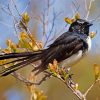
{"type": "Point", "coordinates": [44, 24]}
{"type": "Point", "coordinates": [7, 11]}
{"type": "Point", "coordinates": [89, 89]}
{"type": "Point", "coordinates": [21, 78]}
{"type": "Point", "coordinates": [16, 7]}
{"type": "Point", "coordinates": [27, 81]}
{"type": "Point", "coordinates": [85, 5]}
{"type": "Point", "coordinates": [70, 84]}
{"type": "Point", "coordinates": [76, 6]}
{"type": "Point", "coordinates": [89, 8]}
{"type": "Point", "coordinates": [26, 7]}
{"type": "Point", "coordinates": [53, 24]}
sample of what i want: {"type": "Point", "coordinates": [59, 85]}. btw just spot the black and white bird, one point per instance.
{"type": "Point", "coordinates": [67, 48]}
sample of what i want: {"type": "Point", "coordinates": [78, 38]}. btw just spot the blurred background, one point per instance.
{"type": "Point", "coordinates": [11, 88]}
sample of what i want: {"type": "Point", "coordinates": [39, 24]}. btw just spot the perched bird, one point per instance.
{"type": "Point", "coordinates": [67, 48]}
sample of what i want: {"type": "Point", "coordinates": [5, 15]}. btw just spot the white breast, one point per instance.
{"type": "Point", "coordinates": [71, 60]}
{"type": "Point", "coordinates": [89, 42]}
{"type": "Point", "coordinates": [76, 57]}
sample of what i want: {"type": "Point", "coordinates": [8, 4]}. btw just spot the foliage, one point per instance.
{"type": "Point", "coordinates": [36, 94]}
{"type": "Point", "coordinates": [71, 20]}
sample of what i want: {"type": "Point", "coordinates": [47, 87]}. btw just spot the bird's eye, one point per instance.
{"type": "Point", "coordinates": [76, 23]}
{"type": "Point", "coordinates": [85, 23]}
{"type": "Point", "coordinates": [72, 27]}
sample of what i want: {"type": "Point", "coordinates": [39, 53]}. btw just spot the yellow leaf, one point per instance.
{"type": "Point", "coordinates": [23, 35]}
{"type": "Point", "coordinates": [40, 45]}
{"type": "Point", "coordinates": [2, 62]}
{"type": "Point", "coordinates": [35, 48]}
{"type": "Point", "coordinates": [25, 18]}
{"type": "Point", "coordinates": [11, 46]}
{"type": "Point", "coordinates": [24, 21]}
{"type": "Point", "coordinates": [7, 50]}
{"type": "Point", "coordinates": [68, 20]}
{"type": "Point", "coordinates": [53, 67]}
{"type": "Point", "coordinates": [24, 41]}
{"type": "Point", "coordinates": [96, 71]}
{"type": "Point", "coordinates": [55, 63]}
{"type": "Point", "coordinates": [76, 86]}
{"type": "Point", "coordinates": [31, 78]}
{"type": "Point", "coordinates": [92, 34]}
{"type": "Point", "coordinates": [32, 39]}
{"type": "Point", "coordinates": [36, 94]}
{"type": "Point", "coordinates": [8, 42]}
{"type": "Point", "coordinates": [73, 20]}
{"type": "Point", "coordinates": [77, 16]}
{"type": "Point", "coordinates": [24, 44]}
{"type": "Point", "coordinates": [39, 95]}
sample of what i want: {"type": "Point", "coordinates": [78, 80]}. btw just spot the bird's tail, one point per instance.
{"type": "Point", "coordinates": [21, 59]}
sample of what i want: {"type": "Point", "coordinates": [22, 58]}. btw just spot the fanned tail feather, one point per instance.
{"type": "Point", "coordinates": [24, 59]}
{"type": "Point", "coordinates": [17, 60]}
{"type": "Point", "coordinates": [14, 55]}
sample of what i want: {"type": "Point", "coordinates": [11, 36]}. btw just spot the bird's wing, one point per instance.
{"type": "Point", "coordinates": [64, 47]}
{"type": "Point", "coordinates": [68, 37]}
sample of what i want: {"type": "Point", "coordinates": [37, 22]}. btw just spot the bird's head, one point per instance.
{"type": "Point", "coordinates": [80, 26]}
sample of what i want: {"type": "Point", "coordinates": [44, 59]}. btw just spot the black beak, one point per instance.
{"type": "Point", "coordinates": [90, 24]}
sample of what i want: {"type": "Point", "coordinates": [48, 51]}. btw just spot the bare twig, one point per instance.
{"type": "Point", "coordinates": [89, 89]}
{"type": "Point", "coordinates": [53, 24]}
{"type": "Point", "coordinates": [21, 78]}
{"type": "Point", "coordinates": [16, 7]}
{"type": "Point", "coordinates": [27, 81]}
{"type": "Point", "coordinates": [7, 11]}
{"type": "Point", "coordinates": [26, 7]}
{"type": "Point", "coordinates": [71, 85]}
{"type": "Point", "coordinates": [89, 8]}
{"type": "Point", "coordinates": [50, 30]}
{"type": "Point", "coordinates": [85, 5]}
{"type": "Point", "coordinates": [44, 24]}
{"type": "Point", "coordinates": [76, 6]}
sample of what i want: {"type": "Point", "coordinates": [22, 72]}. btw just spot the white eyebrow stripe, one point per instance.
{"type": "Point", "coordinates": [80, 22]}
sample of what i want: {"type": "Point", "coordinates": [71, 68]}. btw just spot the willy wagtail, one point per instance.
{"type": "Point", "coordinates": [69, 47]}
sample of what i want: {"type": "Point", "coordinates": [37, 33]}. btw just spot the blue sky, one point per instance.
{"type": "Point", "coordinates": [66, 7]}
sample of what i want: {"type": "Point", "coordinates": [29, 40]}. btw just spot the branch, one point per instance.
{"type": "Point", "coordinates": [13, 1]}
{"type": "Point", "coordinates": [63, 74]}
{"type": "Point", "coordinates": [90, 88]}
{"type": "Point", "coordinates": [21, 78]}
{"type": "Point", "coordinates": [76, 6]}
{"type": "Point", "coordinates": [89, 8]}
{"type": "Point", "coordinates": [72, 85]}
{"type": "Point", "coordinates": [85, 5]}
